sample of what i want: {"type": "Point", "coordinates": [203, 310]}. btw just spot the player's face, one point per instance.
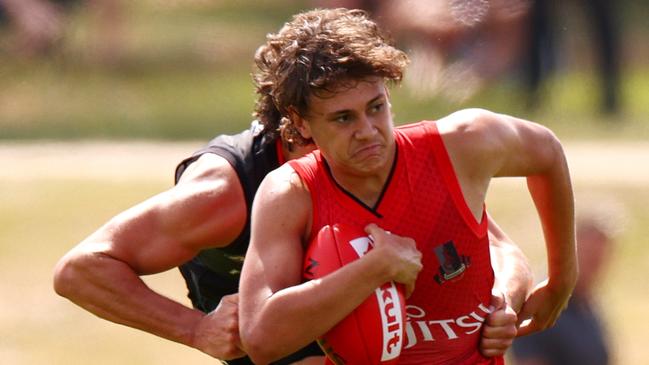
{"type": "Point", "coordinates": [353, 127]}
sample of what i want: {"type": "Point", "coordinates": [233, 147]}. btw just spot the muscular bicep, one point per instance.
{"type": "Point", "coordinates": [523, 148]}
{"type": "Point", "coordinates": [204, 210]}
{"type": "Point", "coordinates": [280, 217]}
{"type": "Point", "coordinates": [484, 144]}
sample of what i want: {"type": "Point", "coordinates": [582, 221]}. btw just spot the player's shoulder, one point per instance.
{"type": "Point", "coordinates": [473, 137]}
{"type": "Point", "coordinates": [477, 130]}
{"type": "Point", "coordinates": [284, 179]}
{"type": "Point", "coordinates": [470, 120]}
{"type": "Point", "coordinates": [208, 167]}
{"type": "Point", "coordinates": [210, 191]}
{"type": "Point", "coordinates": [284, 199]}
{"type": "Point", "coordinates": [281, 188]}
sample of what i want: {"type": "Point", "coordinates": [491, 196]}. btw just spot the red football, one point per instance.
{"type": "Point", "coordinates": [373, 333]}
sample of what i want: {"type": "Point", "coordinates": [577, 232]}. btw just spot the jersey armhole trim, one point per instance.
{"type": "Point", "coordinates": [450, 178]}
{"type": "Point", "coordinates": [306, 174]}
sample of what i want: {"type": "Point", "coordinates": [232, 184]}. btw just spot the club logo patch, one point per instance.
{"type": "Point", "coordinates": [451, 264]}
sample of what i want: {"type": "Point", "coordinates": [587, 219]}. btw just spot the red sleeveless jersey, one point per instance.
{"type": "Point", "coordinates": [422, 200]}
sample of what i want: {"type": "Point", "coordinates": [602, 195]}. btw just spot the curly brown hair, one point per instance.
{"type": "Point", "coordinates": [313, 54]}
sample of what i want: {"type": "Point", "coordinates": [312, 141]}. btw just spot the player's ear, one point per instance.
{"type": "Point", "coordinates": [300, 124]}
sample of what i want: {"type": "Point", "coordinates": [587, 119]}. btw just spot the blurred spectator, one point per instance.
{"type": "Point", "coordinates": [604, 29]}
{"type": "Point", "coordinates": [35, 25]}
{"type": "Point", "coordinates": [579, 337]}
{"type": "Point", "coordinates": [456, 46]}
{"type": "Point", "coordinates": [36, 28]}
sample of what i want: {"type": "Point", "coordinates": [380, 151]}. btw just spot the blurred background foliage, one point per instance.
{"type": "Point", "coordinates": [174, 70]}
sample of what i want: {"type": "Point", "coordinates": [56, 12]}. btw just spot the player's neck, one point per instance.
{"type": "Point", "coordinates": [294, 151]}
{"type": "Point", "coordinates": [367, 186]}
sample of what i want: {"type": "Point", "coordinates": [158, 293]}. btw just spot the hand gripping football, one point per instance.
{"type": "Point", "coordinates": [373, 333]}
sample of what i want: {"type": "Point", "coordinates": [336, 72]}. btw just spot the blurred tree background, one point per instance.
{"type": "Point", "coordinates": [173, 70]}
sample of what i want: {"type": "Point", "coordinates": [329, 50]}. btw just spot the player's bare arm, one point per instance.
{"type": "Point", "coordinates": [277, 310]}
{"type": "Point", "coordinates": [513, 281]}
{"type": "Point", "coordinates": [101, 274]}
{"type": "Point", "coordinates": [512, 271]}
{"type": "Point", "coordinates": [486, 145]}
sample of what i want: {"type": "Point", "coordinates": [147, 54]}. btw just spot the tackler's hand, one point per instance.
{"type": "Point", "coordinates": [218, 332]}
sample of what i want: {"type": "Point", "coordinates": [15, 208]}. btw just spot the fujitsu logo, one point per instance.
{"type": "Point", "coordinates": [420, 328]}
{"type": "Point", "coordinates": [389, 306]}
